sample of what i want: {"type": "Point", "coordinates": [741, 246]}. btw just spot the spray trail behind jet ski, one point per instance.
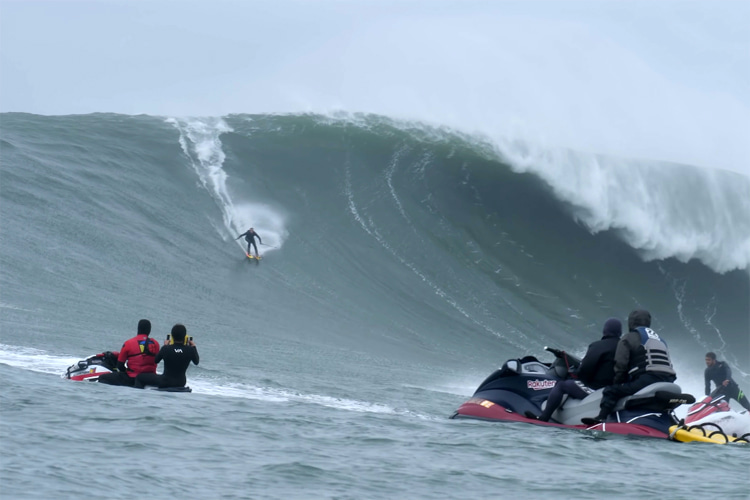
{"type": "Point", "coordinates": [39, 361]}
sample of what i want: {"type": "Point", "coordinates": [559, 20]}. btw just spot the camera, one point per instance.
{"type": "Point", "coordinates": [169, 340]}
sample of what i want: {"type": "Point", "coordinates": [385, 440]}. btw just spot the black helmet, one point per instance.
{"type": "Point", "coordinates": [612, 328]}
{"type": "Point", "coordinates": [144, 327]}
{"type": "Point", "coordinates": [639, 317]}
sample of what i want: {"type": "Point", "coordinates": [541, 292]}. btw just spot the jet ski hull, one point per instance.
{"type": "Point", "coordinates": [482, 409]}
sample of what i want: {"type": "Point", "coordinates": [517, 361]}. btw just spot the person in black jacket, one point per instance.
{"type": "Point", "coordinates": [641, 359]}
{"type": "Point", "coordinates": [597, 370]}
{"type": "Point", "coordinates": [177, 356]}
{"type": "Point", "coordinates": [720, 374]}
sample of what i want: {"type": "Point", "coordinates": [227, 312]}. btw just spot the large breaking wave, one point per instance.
{"type": "Point", "coordinates": [408, 234]}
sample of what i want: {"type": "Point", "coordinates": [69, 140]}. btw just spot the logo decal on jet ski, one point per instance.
{"type": "Point", "coordinates": [540, 385]}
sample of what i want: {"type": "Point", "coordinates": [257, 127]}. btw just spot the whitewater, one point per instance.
{"type": "Point", "coordinates": [402, 263]}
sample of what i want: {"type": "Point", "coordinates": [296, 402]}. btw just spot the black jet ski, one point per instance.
{"type": "Point", "coordinates": [522, 386]}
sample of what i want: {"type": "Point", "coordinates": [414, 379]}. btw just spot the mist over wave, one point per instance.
{"type": "Point", "coordinates": [626, 79]}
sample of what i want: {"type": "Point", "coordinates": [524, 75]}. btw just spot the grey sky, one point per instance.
{"type": "Point", "coordinates": [664, 80]}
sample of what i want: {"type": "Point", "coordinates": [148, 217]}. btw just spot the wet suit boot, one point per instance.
{"type": "Point", "coordinates": [593, 421]}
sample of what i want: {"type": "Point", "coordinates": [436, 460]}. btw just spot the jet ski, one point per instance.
{"type": "Point", "coordinates": [712, 420]}
{"type": "Point", "coordinates": [91, 368]}
{"type": "Point", "coordinates": [522, 386]}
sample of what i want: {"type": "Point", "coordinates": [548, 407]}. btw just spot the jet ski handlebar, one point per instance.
{"type": "Point", "coordinates": [557, 352]}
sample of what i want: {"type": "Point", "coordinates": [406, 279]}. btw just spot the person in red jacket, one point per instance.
{"type": "Point", "coordinates": [136, 356]}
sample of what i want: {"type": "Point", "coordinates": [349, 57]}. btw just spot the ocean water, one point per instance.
{"type": "Point", "coordinates": [402, 263]}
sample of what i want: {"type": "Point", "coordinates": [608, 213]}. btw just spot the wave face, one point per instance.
{"type": "Point", "coordinates": [384, 237]}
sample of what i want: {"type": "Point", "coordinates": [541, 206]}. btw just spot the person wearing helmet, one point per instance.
{"type": "Point", "coordinates": [138, 352]}
{"type": "Point", "coordinates": [720, 374]}
{"type": "Point", "coordinates": [642, 358]}
{"type": "Point", "coordinates": [250, 236]}
{"type": "Point", "coordinates": [597, 370]}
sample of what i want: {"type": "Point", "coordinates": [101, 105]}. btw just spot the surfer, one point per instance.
{"type": "Point", "coordinates": [250, 236]}
{"type": "Point", "coordinates": [720, 374]}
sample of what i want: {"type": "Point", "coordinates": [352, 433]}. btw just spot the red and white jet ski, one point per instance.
{"type": "Point", "coordinates": [714, 415]}
{"type": "Point", "coordinates": [91, 368]}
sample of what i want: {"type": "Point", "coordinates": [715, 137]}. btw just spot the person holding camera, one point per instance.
{"type": "Point", "coordinates": [177, 354]}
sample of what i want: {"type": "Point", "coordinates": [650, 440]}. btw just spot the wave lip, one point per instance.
{"type": "Point", "coordinates": [664, 210]}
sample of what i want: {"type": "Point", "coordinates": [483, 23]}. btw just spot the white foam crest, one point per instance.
{"type": "Point", "coordinates": [201, 143]}
{"type": "Point", "coordinates": [200, 139]}
{"type": "Point", "coordinates": [662, 210]}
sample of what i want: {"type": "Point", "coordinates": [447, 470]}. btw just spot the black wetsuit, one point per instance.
{"type": "Point", "coordinates": [717, 374]}
{"type": "Point", "coordinates": [250, 238]}
{"type": "Point", "coordinates": [177, 358]}
{"type": "Point", "coordinates": [597, 370]}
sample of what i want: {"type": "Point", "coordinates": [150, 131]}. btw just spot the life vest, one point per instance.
{"type": "Point", "coordinates": [138, 351]}
{"type": "Point", "coordinates": [144, 346]}
{"type": "Point", "coordinates": [652, 355]}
